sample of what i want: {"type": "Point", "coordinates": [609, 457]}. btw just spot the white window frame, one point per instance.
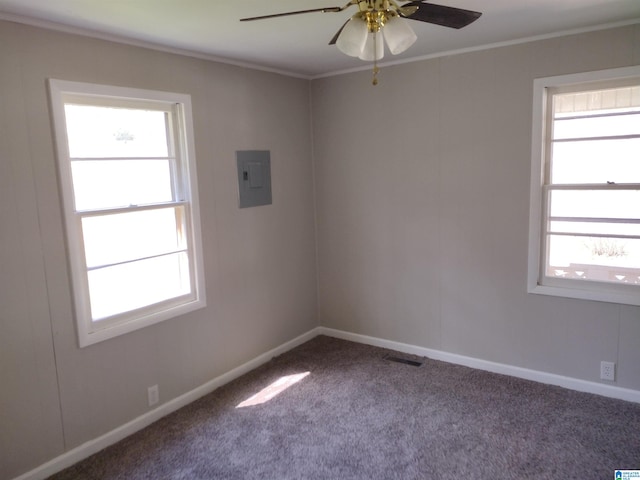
{"type": "Point", "coordinates": [89, 331]}
{"type": "Point", "coordinates": [537, 282]}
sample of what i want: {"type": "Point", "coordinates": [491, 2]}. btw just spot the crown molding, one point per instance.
{"type": "Point", "coordinates": [487, 46]}
{"type": "Point", "coordinates": [85, 32]}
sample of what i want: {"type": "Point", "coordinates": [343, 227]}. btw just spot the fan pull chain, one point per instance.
{"type": "Point", "coordinates": [374, 81]}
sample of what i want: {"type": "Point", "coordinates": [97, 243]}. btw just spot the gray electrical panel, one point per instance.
{"type": "Point", "coordinates": [254, 177]}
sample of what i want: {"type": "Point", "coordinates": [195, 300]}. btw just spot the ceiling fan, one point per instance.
{"type": "Point", "coordinates": [359, 35]}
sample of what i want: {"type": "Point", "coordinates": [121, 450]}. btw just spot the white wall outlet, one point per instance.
{"type": "Point", "coordinates": [607, 371]}
{"type": "Point", "coordinates": [153, 395]}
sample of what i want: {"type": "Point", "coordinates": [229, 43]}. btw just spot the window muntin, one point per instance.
{"type": "Point", "coordinates": [128, 182]}
{"type": "Point", "coordinates": [588, 198]}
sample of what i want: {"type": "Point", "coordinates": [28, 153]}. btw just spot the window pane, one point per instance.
{"type": "Point", "coordinates": [596, 126]}
{"type": "Point", "coordinates": [104, 132]}
{"type": "Point", "coordinates": [595, 203]}
{"type": "Point", "coordinates": [129, 236]}
{"type": "Point", "coordinates": [130, 286]}
{"type": "Point", "coordinates": [120, 183]}
{"type": "Point", "coordinates": [598, 259]}
{"type": "Point", "coordinates": [620, 99]}
{"type": "Point", "coordinates": [596, 161]}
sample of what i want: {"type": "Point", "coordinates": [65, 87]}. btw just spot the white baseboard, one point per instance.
{"type": "Point", "coordinates": [93, 446]}
{"type": "Point", "coordinates": [610, 391]}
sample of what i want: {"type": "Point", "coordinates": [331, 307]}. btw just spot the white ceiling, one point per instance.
{"type": "Point", "coordinates": [298, 44]}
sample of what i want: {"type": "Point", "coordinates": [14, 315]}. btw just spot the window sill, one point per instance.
{"type": "Point", "coordinates": [630, 298]}
{"type": "Point", "coordinates": [91, 335]}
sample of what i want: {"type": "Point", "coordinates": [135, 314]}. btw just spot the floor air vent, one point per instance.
{"type": "Point", "coordinates": [406, 361]}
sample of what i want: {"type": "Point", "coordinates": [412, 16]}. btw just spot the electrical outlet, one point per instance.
{"type": "Point", "coordinates": [153, 395]}
{"type": "Point", "coordinates": [607, 371]}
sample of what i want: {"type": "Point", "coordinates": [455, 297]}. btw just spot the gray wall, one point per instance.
{"type": "Point", "coordinates": [422, 210]}
{"type": "Point", "coordinates": [422, 191]}
{"type": "Point", "coordinates": [259, 263]}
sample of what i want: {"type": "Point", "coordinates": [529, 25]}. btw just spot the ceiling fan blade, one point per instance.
{"type": "Point", "coordinates": [441, 15]}
{"type": "Point", "coordinates": [335, 37]}
{"type": "Point", "coordinates": [286, 14]}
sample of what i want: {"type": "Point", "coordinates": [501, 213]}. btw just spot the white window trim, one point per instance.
{"type": "Point", "coordinates": [92, 332]}
{"type": "Point", "coordinates": [623, 294]}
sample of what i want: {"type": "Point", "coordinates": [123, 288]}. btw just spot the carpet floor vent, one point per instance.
{"type": "Point", "coordinates": [406, 361]}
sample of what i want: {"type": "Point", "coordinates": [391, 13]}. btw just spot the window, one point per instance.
{"type": "Point", "coordinates": [585, 189]}
{"type": "Point", "coordinates": [128, 180]}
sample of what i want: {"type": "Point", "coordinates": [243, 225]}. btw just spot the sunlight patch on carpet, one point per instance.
{"type": "Point", "coordinates": [272, 390]}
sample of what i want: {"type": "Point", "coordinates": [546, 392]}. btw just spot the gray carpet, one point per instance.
{"type": "Point", "coordinates": [358, 415]}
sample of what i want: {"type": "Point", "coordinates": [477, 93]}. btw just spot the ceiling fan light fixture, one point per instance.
{"type": "Point", "coordinates": [353, 37]}
{"type": "Point", "coordinates": [373, 47]}
{"type": "Point", "coordinates": [364, 34]}
{"type": "Point", "coordinates": [398, 34]}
